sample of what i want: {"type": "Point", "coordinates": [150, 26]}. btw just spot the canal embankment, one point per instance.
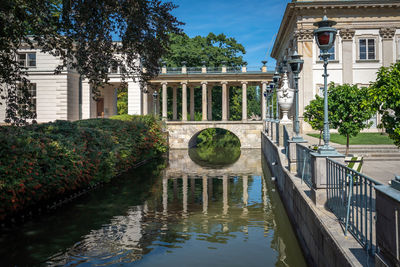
{"type": "Point", "coordinates": [319, 232]}
{"type": "Point", "coordinates": [47, 163]}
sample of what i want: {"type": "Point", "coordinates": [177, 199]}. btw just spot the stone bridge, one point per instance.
{"type": "Point", "coordinates": [181, 133]}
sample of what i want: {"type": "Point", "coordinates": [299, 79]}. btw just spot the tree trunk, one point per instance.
{"type": "Point", "coordinates": [347, 144]}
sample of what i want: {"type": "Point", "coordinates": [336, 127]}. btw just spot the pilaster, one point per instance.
{"type": "Point", "coordinates": [347, 36]}
{"type": "Point", "coordinates": [387, 35]}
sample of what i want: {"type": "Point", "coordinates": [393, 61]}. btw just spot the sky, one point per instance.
{"type": "Point", "coordinates": [253, 23]}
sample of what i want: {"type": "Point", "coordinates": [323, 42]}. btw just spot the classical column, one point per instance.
{"type": "Point", "coordinates": [205, 195]}
{"type": "Point", "coordinates": [204, 100]}
{"type": "Point", "coordinates": [145, 101]}
{"type": "Point", "coordinates": [228, 112]}
{"type": "Point", "coordinates": [192, 103]}
{"type": "Point", "coordinates": [184, 101]}
{"type": "Point", "coordinates": [387, 35]}
{"type": "Point", "coordinates": [185, 191]}
{"type": "Point", "coordinates": [174, 107]}
{"type": "Point", "coordinates": [264, 85]}
{"type": "Point", "coordinates": [347, 54]}
{"type": "Point", "coordinates": [164, 100]}
{"type": "Point", "coordinates": [225, 194]}
{"type": "Point", "coordinates": [133, 98]}
{"type": "Point", "coordinates": [305, 38]}
{"type": "Point", "coordinates": [224, 101]}
{"type": "Point", "coordinates": [209, 105]}
{"type": "Point", "coordinates": [244, 101]}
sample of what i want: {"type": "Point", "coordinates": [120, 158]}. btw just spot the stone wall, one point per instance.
{"type": "Point", "coordinates": [180, 133]}
{"type": "Point", "coordinates": [318, 231]}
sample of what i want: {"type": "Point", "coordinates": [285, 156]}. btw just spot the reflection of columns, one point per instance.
{"type": "Point", "coordinates": [205, 195]}
{"type": "Point", "coordinates": [184, 101]}
{"type": "Point", "coordinates": [192, 188]}
{"type": "Point", "coordinates": [209, 105]}
{"type": "Point", "coordinates": [204, 100]}
{"type": "Point", "coordinates": [224, 101]}
{"type": "Point", "coordinates": [225, 194]}
{"type": "Point", "coordinates": [264, 100]}
{"type": "Point", "coordinates": [244, 101]}
{"type": "Point", "coordinates": [165, 196]}
{"type": "Point", "coordinates": [184, 190]}
{"type": "Point", "coordinates": [210, 188]}
{"type": "Point", "coordinates": [174, 107]}
{"type": "Point", "coordinates": [245, 188]}
{"type": "Point", "coordinates": [175, 184]}
{"type": "Point", "coordinates": [192, 103]}
{"type": "Point", "coordinates": [164, 100]}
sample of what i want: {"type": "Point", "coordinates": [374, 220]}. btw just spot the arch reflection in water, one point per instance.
{"type": "Point", "coordinates": [214, 148]}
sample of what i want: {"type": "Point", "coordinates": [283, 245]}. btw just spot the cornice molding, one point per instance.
{"type": "Point", "coordinates": [387, 32]}
{"type": "Point", "coordinates": [347, 34]}
{"type": "Point", "coordinates": [304, 35]}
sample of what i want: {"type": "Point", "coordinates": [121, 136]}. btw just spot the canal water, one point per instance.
{"type": "Point", "coordinates": [186, 214]}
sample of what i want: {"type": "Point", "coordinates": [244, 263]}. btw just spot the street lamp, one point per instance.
{"type": "Point", "coordinates": [155, 96]}
{"type": "Point", "coordinates": [325, 37]}
{"type": "Point", "coordinates": [296, 64]}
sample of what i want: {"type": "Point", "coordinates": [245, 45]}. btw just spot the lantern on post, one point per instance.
{"type": "Point", "coordinates": [296, 65]}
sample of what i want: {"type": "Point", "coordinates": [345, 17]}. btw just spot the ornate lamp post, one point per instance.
{"type": "Point", "coordinates": [296, 64]}
{"type": "Point", "coordinates": [155, 96]}
{"type": "Point", "coordinates": [325, 37]}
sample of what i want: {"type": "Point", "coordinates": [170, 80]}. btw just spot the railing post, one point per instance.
{"type": "Point", "coordinates": [319, 177]}
{"type": "Point", "coordinates": [387, 224]}
{"type": "Point", "coordinates": [292, 155]}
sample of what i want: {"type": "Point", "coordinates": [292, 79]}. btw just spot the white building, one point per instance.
{"type": "Point", "coordinates": [66, 96]}
{"type": "Point", "coordinates": [368, 38]}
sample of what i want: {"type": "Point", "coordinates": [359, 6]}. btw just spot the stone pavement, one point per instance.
{"type": "Point", "coordinates": [377, 168]}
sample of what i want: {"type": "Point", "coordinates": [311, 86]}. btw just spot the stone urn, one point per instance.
{"type": "Point", "coordinates": [285, 99]}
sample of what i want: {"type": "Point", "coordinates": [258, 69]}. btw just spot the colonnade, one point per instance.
{"type": "Point", "coordinates": [206, 91]}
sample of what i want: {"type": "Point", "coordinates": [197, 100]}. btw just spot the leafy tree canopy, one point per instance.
{"type": "Point", "coordinates": [349, 109]}
{"type": "Point", "coordinates": [82, 34]}
{"type": "Point", "coordinates": [213, 50]}
{"type": "Point", "coordinates": [385, 96]}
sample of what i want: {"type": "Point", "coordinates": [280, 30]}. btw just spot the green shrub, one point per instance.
{"type": "Point", "coordinates": [40, 162]}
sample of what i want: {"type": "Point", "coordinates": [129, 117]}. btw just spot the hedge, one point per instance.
{"type": "Point", "coordinates": [40, 162]}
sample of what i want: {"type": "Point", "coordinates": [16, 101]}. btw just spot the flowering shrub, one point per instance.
{"type": "Point", "coordinates": [41, 162]}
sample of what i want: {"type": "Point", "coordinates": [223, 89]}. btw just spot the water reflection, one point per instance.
{"type": "Point", "coordinates": [197, 218]}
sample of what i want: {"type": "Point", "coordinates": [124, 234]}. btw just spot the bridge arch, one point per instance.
{"type": "Point", "coordinates": [248, 132]}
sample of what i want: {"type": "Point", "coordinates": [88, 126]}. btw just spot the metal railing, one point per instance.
{"type": "Point", "coordinates": [351, 197]}
{"type": "Point", "coordinates": [194, 70]}
{"type": "Point", "coordinates": [304, 164]}
{"type": "Point", "coordinates": [285, 140]}
{"type": "Point", "coordinates": [277, 133]}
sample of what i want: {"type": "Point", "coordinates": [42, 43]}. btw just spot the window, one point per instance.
{"type": "Point", "coordinates": [32, 95]}
{"type": "Point", "coordinates": [27, 60]}
{"type": "Point", "coordinates": [366, 49]}
{"type": "Point", "coordinates": [114, 68]}
{"type": "Point", "coordinates": [321, 91]}
{"type": "Point", "coordinates": [331, 51]}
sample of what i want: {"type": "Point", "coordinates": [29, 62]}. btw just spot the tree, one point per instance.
{"type": "Point", "coordinates": [384, 94]}
{"type": "Point", "coordinates": [314, 115]}
{"type": "Point", "coordinates": [82, 34]}
{"type": "Point", "coordinates": [349, 110]}
{"type": "Point", "coordinates": [213, 50]}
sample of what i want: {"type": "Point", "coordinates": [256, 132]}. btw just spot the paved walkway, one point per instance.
{"type": "Point", "coordinates": [380, 170]}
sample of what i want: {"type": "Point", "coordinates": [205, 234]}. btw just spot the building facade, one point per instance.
{"type": "Point", "coordinates": [368, 38]}
{"type": "Point", "coordinates": [66, 96]}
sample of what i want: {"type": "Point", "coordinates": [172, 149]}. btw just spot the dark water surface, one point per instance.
{"type": "Point", "coordinates": [185, 215]}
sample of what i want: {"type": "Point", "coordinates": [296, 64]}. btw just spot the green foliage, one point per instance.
{"type": "Point", "coordinates": [314, 114]}
{"type": "Point", "coordinates": [122, 101]}
{"type": "Point", "coordinates": [82, 34]}
{"type": "Point", "coordinates": [349, 109]}
{"type": "Point", "coordinates": [41, 162]}
{"type": "Point", "coordinates": [384, 94]}
{"type": "Point", "coordinates": [214, 50]}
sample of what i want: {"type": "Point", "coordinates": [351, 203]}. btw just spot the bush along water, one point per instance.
{"type": "Point", "coordinates": [44, 161]}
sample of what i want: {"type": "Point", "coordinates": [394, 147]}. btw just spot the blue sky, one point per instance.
{"type": "Point", "coordinates": [253, 23]}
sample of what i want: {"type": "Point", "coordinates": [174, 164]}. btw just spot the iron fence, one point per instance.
{"type": "Point", "coordinates": [351, 197]}
{"type": "Point", "coordinates": [194, 70]}
{"type": "Point", "coordinates": [285, 140]}
{"type": "Point", "coordinates": [303, 165]}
